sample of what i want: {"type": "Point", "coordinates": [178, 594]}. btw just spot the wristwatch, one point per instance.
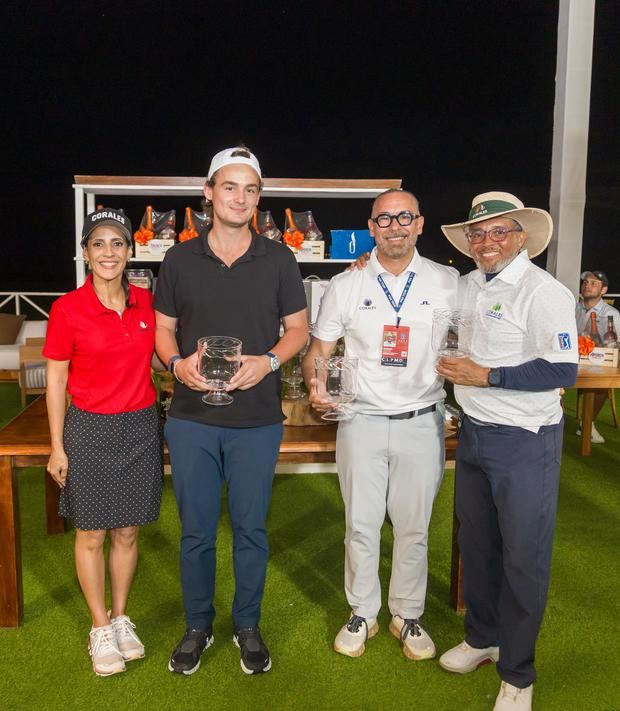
{"type": "Point", "coordinates": [274, 361]}
{"type": "Point", "coordinates": [494, 378]}
{"type": "Point", "coordinates": [172, 361]}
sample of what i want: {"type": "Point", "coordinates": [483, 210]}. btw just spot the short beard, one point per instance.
{"type": "Point", "coordinates": [496, 268]}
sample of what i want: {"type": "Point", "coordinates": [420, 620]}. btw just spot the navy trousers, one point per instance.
{"type": "Point", "coordinates": [203, 457]}
{"type": "Point", "coordinates": [506, 493]}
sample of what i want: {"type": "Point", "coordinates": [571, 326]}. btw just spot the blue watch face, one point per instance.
{"type": "Point", "coordinates": [494, 377]}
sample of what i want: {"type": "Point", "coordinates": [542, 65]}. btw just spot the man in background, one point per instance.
{"type": "Point", "coordinates": [594, 285]}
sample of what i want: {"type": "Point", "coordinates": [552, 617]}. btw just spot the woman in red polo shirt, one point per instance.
{"type": "Point", "coordinates": [106, 448]}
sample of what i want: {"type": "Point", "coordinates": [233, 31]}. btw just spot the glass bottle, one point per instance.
{"type": "Point", "coordinates": [610, 339]}
{"type": "Point", "coordinates": [312, 232]}
{"type": "Point", "coordinates": [592, 329]}
{"type": "Point", "coordinates": [270, 229]}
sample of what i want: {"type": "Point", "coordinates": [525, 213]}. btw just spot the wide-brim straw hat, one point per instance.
{"type": "Point", "coordinates": [536, 223]}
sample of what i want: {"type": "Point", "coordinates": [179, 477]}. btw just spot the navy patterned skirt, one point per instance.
{"type": "Point", "coordinates": [115, 473]}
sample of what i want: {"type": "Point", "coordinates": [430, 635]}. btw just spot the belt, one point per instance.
{"type": "Point", "coordinates": [414, 413]}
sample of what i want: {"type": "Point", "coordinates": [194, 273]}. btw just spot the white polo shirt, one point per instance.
{"type": "Point", "coordinates": [355, 306]}
{"type": "Point", "coordinates": [521, 314]}
{"type": "Point", "coordinates": [602, 310]}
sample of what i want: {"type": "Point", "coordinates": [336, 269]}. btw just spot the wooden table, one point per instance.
{"type": "Point", "coordinates": [25, 441]}
{"type": "Point", "coordinates": [591, 378]}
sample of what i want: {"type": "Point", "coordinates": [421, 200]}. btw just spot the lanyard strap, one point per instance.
{"type": "Point", "coordinates": [403, 296]}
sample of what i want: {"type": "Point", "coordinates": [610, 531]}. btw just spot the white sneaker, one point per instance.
{"type": "Point", "coordinates": [127, 641]}
{"type": "Point", "coordinates": [596, 437]}
{"type": "Point", "coordinates": [351, 640]}
{"type": "Point", "coordinates": [463, 658]}
{"type": "Point", "coordinates": [417, 644]}
{"type": "Point", "coordinates": [104, 651]}
{"type": "Point", "coordinates": [511, 698]}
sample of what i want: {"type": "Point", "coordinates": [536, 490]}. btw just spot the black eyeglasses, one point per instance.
{"type": "Point", "coordinates": [497, 234]}
{"type": "Point", "coordinates": [404, 219]}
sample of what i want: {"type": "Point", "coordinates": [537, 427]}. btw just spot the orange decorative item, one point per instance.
{"type": "Point", "coordinates": [292, 236]}
{"type": "Point", "coordinates": [255, 221]}
{"type": "Point", "coordinates": [190, 231]}
{"type": "Point", "coordinates": [586, 345]}
{"type": "Point", "coordinates": [145, 234]}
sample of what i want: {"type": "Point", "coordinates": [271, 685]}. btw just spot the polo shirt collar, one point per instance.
{"type": "Point", "coordinates": [91, 300]}
{"type": "Point", "coordinates": [257, 246]}
{"type": "Point", "coordinates": [510, 274]}
{"type": "Point", "coordinates": [376, 268]}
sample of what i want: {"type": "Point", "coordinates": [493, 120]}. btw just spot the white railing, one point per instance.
{"type": "Point", "coordinates": [27, 297]}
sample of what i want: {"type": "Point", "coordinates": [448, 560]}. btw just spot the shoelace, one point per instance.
{"type": "Point", "coordinates": [354, 624]}
{"type": "Point", "coordinates": [248, 633]}
{"type": "Point", "coordinates": [250, 639]}
{"type": "Point", "coordinates": [104, 642]}
{"type": "Point", "coordinates": [124, 628]}
{"type": "Point", "coordinates": [510, 692]}
{"type": "Point", "coordinates": [411, 627]}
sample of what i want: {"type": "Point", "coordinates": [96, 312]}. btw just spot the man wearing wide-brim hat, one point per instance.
{"type": "Point", "coordinates": [524, 349]}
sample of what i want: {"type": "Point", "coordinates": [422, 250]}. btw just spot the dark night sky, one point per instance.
{"type": "Point", "coordinates": [454, 97]}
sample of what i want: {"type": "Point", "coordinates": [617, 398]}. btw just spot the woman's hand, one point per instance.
{"type": "Point", "coordinates": [57, 467]}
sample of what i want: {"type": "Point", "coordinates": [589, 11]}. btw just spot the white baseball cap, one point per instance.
{"type": "Point", "coordinates": [228, 157]}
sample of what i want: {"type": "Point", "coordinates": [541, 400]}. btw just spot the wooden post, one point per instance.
{"type": "Point", "coordinates": [11, 593]}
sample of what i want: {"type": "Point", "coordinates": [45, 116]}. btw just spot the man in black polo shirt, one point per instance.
{"type": "Point", "coordinates": [227, 282]}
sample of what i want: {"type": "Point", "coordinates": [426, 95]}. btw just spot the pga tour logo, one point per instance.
{"type": "Point", "coordinates": [564, 339]}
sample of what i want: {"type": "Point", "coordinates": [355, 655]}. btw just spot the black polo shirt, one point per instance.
{"type": "Point", "coordinates": [246, 301]}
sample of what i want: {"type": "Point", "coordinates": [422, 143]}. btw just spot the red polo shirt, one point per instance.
{"type": "Point", "coordinates": [110, 356]}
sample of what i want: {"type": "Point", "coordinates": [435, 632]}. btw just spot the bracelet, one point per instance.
{"type": "Point", "coordinates": [174, 372]}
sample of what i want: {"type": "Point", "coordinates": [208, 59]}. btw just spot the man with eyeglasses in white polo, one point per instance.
{"type": "Point", "coordinates": [524, 350]}
{"type": "Point", "coordinates": [390, 455]}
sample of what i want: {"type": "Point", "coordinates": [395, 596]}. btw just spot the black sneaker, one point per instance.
{"type": "Point", "coordinates": [254, 654]}
{"type": "Point", "coordinates": [186, 657]}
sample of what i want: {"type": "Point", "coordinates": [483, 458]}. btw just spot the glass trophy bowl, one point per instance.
{"type": "Point", "coordinates": [218, 360]}
{"type": "Point", "coordinates": [452, 332]}
{"type": "Point", "coordinates": [337, 382]}
{"type": "Point", "coordinates": [291, 375]}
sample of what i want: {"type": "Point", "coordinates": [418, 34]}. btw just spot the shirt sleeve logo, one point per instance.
{"type": "Point", "coordinates": [564, 339]}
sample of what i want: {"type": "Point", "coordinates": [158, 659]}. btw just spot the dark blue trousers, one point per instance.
{"type": "Point", "coordinates": [506, 493]}
{"type": "Point", "coordinates": [202, 458]}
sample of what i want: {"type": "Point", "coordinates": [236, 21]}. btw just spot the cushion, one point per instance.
{"type": "Point", "coordinates": [10, 325]}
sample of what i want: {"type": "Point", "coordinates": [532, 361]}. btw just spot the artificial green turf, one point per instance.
{"type": "Point", "coordinates": [45, 664]}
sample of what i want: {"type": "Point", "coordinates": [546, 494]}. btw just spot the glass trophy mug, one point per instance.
{"type": "Point", "coordinates": [337, 382]}
{"type": "Point", "coordinates": [452, 332]}
{"type": "Point", "coordinates": [218, 360]}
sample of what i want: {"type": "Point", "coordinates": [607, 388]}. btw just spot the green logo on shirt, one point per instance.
{"type": "Point", "coordinates": [495, 311]}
